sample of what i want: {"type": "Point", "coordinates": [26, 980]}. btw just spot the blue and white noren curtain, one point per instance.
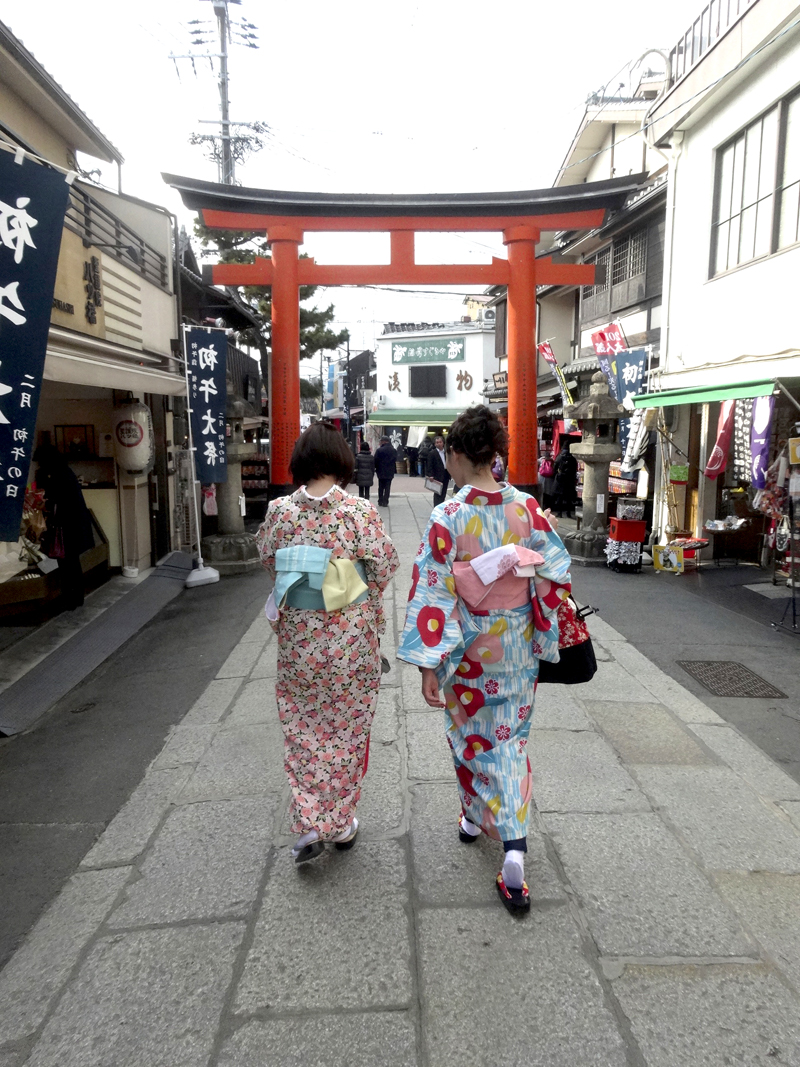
{"type": "Point", "coordinates": [206, 351]}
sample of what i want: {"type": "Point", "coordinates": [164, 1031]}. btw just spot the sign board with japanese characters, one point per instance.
{"type": "Point", "coordinates": [431, 350]}
{"type": "Point", "coordinates": [206, 350]}
{"type": "Point", "coordinates": [33, 200]}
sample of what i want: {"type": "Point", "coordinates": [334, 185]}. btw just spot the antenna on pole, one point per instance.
{"type": "Point", "coordinates": [235, 140]}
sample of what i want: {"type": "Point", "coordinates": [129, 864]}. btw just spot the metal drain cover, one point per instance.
{"type": "Point", "coordinates": [724, 678]}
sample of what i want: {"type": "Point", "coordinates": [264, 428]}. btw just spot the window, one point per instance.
{"type": "Point", "coordinates": [630, 257]}
{"type": "Point", "coordinates": [758, 189]}
{"type": "Point", "coordinates": [427, 381]}
{"type": "Point", "coordinates": [601, 259]}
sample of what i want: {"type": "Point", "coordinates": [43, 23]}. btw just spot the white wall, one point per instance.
{"type": "Point", "coordinates": [753, 309]}
{"type": "Point", "coordinates": [479, 362]}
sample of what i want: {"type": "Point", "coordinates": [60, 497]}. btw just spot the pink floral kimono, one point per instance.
{"type": "Point", "coordinates": [328, 662]}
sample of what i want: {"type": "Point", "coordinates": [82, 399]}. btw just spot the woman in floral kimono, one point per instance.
{"type": "Point", "coordinates": [331, 559]}
{"type": "Point", "coordinates": [487, 582]}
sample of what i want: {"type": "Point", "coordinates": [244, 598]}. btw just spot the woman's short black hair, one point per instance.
{"type": "Point", "coordinates": [365, 447]}
{"type": "Point", "coordinates": [321, 450]}
{"type": "Point", "coordinates": [479, 435]}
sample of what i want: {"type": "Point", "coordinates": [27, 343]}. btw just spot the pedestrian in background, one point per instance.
{"type": "Point", "coordinates": [331, 560]}
{"type": "Point", "coordinates": [69, 524]}
{"type": "Point", "coordinates": [365, 470]}
{"type": "Point", "coordinates": [385, 468]}
{"type": "Point", "coordinates": [437, 469]}
{"type": "Point", "coordinates": [565, 480]}
{"type": "Point", "coordinates": [476, 629]}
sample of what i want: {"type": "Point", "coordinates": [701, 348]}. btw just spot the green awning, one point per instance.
{"type": "Point", "coordinates": [414, 416]}
{"type": "Point", "coordinates": [705, 394]}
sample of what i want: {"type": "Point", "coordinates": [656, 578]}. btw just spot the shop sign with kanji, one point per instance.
{"type": "Point", "coordinates": [431, 350]}
{"type": "Point", "coordinates": [33, 200]}
{"type": "Point", "coordinates": [206, 352]}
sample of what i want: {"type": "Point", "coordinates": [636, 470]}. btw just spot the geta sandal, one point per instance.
{"type": "Point", "coordinates": [309, 852]}
{"type": "Point", "coordinates": [517, 901]}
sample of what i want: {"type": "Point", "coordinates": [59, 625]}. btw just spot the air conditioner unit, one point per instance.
{"type": "Point", "coordinates": [489, 315]}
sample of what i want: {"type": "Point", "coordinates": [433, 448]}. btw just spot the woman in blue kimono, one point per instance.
{"type": "Point", "coordinates": [486, 585]}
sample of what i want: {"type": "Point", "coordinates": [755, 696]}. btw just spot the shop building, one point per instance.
{"type": "Point", "coordinates": [730, 126]}
{"type": "Point", "coordinates": [113, 319]}
{"type": "Point", "coordinates": [427, 375]}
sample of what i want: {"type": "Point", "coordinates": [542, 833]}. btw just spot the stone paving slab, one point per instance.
{"type": "Point", "coordinates": [241, 761]}
{"type": "Point", "coordinates": [386, 724]}
{"type": "Point", "coordinates": [135, 823]}
{"type": "Point", "coordinates": [333, 934]}
{"type": "Point", "coordinates": [241, 661]}
{"type": "Point", "coordinates": [713, 1016]}
{"type": "Point", "coordinates": [449, 872]}
{"type": "Point", "coordinates": [579, 772]}
{"type": "Point", "coordinates": [185, 744]}
{"type": "Point", "coordinates": [214, 702]}
{"type": "Point", "coordinates": [38, 969]}
{"type": "Point", "coordinates": [258, 631]}
{"type": "Point", "coordinates": [429, 757]}
{"type": "Point", "coordinates": [385, 1038]}
{"type": "Point", "coordinates": [267, 664]}
{"type": "Point", "coordinates": [792, 809]}
{"type": "Point", "coordinates": [381, 808]}
{"type": "Point", "coordinates": [206, 862]}
{"type": "Point", "coordinates": [769, 905]}
{"type": "Point", "coordinates": [254, 705]}
{"type": "Point", "coordinates": [149, 997]}
{"type": "Point", "coordinates": [557, 709]}
{"type": "Point", "coordinates": [665, 689]}
{"type": "Point", "coordinates": [540, 1004]}
{"type": "Point", "coordinates": [636, 907]}
{"type": "Point", "coordinates": [758, 770]}
{"type": "Point", "coordinates": [646, 733]}
{"type": "Point", "coordinates": [613, 682]}
{"type": "Point", "coordinates": [723, 819]}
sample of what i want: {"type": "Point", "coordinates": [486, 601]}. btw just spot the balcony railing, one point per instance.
{"type": "Point", "coordinates": [97, 226]}
{"type": "Point", "coordinates": [713, 22]}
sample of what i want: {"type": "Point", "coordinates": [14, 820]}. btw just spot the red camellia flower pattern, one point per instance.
{"type": "Point", "coordinates": [464, 775]}
{"type": "Point", "coordinates": [482, 778]}
{"type": "Point", "coordinates": [502, 732]}
{"type": "Point", "coordinates": [471, 700]}
{"type": "Point", "coordinates": [452, 507]}
{"type": "Point", "coordinates": [414, 580]}
{"type": "Point", "coordinates": [524, 712]}
{"type": "Point", "coordinates": [492, 686]}
{"type": "Point", "coordinates": [433, 578]}
{"type": "Point", "coordinates": [480, 496]}
{"type": "Point", "coordinates": [440, 541]}
{"type": "Point", "coordinates": [475, 745]}
{"type": "Point", "coordinates": [538, 520]}
{"type": "Point", "coordinates": [467, 668]}
{"type": "Point", "coordinates": [430, 624]}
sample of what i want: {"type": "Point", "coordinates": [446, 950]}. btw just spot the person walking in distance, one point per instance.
{"type": "Point", "coordinates": [385, 468]}
{"type": "Point", "coordinates": [365, 470]}
{"type": "Point", "coordinates": [565, 471]}
{"type": "Point", "coordinates": [437, 469]}
{"type": "Point", "coordinates": [331, 560]}
{"type": "Point", "coordinates": [486, 586]}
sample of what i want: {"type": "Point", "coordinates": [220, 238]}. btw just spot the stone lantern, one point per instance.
{"type": "Point", "coordinates": [232, 550]}
{"type": "Point", "coordinates": [598, 415]}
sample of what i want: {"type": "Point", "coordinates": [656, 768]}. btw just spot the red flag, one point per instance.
{"type": "Point", "coordinates": [718, 460]}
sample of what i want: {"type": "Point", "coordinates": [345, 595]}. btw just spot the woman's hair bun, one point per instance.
{"type": "Point", "coordinates": [479, 435]}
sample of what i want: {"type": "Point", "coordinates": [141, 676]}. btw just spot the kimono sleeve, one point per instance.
{"type": "Point", "coordinates": [266, 538]}
{"type": "Point", "coordinates": [551, 585]}
{"type": "Point", "coordinates": [376, 550]}
{"type": "Point", "coordinates": [432, 631]}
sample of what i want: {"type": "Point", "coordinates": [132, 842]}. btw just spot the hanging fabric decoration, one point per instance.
{"type": "Point", "coordinates": [742, 423]}
{"type": "Point", "coordinates": [209, 499]}
{"type": "Point", "coordinates": [638, 436]}
{"type": "Point", "coordinates": [718, 460]}
{"type": "Point", "coordinates": [760, 434]}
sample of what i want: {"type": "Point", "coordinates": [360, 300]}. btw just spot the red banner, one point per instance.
{"type": "Point", "coordinates": [609, 340]}
{"type": "Point", "coordinates": [547, 353]}
{"type": "Point", "coordinates": [718, 460]}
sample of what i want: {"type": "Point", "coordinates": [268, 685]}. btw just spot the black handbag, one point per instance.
{"type": "Point", "coordinates": [577, 662]}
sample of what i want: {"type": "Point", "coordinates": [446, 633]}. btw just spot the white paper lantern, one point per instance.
{"type": "Point", "coordinates": [134, 443]}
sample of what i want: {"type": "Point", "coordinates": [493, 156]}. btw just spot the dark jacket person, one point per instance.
{"type": "Point", "coordinates": [365, 470]}
{"type": "Point", "coordinates": [437, 469]}
{"type": "Point", "coordinates": [69, 524]}
{"type": "Point", "coordinates": [385, 468]}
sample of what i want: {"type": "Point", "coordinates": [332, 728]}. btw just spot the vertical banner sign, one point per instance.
{"type": "Point", "coordinates": [631, 365]}
{"type": "Point", "coordinates": [33, 200]}
{"type": "Point", "coordinates": [206, 350]}
{"type": "Point", "coordinates": [607, 342]}
{"type": "Point", "coordinates": [546, 352]}
{"type": "Point", "coordinates": [760, 435]}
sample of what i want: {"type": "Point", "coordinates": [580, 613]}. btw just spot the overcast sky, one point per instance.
{"type": "Point", "coordinates": [359, 96]}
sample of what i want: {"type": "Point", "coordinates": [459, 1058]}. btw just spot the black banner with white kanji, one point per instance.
{"type": "Point", "coordinates": [206, 350]}
{"type": "Point", "coordinates": [33, 200]}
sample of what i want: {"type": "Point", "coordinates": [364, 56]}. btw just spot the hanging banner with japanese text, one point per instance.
{"type": "Point", "coordinates": [608, 341]}
{"type": "Point", "coordinates": [760, 437]}
{"type": "Point", "coordinates": [33, 200]}
{"type": "Point", "coordinates": [206, 350]}
{"type": "Point", "coordinates": [630, 373]}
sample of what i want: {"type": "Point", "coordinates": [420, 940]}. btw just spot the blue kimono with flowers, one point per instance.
{"type": "Point", "coordinates": [486, 662]}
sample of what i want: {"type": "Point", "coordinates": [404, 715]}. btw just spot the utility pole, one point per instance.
{"type": "Point", "coordinates": [226, 165]}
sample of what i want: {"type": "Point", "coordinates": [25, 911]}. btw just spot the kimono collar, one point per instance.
{"type": "Point", "coordinates": [332, 498]}
{"type": "Point", "coordinates": [504, 494]}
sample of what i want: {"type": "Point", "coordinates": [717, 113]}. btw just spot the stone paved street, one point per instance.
{"type": "Point", "coordinates": [664, 868]}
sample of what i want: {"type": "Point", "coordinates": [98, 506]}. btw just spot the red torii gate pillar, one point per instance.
{"type": "Point", "coordinates": [522, 362]}
{"type": "Point", "coordinates": [284, 384]}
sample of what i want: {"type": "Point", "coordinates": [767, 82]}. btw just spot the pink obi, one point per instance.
{"type": "Point", "coordinates": [497, 579]}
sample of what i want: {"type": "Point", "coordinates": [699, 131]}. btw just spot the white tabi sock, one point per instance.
{"type": "Point", "coordinates": [469, 827]}
{"type": "Point", "coordinates": [514, 869]}
{"type": "Point", "coordinates": [345, 834]}
{"type": "Point", "coordinates": [305, 839]}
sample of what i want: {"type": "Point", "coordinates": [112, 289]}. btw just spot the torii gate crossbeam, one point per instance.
{"type": "Point", "coordinates": [521, 217]}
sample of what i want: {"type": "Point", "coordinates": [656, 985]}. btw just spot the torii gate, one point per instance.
{"type": "Point", "coordinates": [285, 217]}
